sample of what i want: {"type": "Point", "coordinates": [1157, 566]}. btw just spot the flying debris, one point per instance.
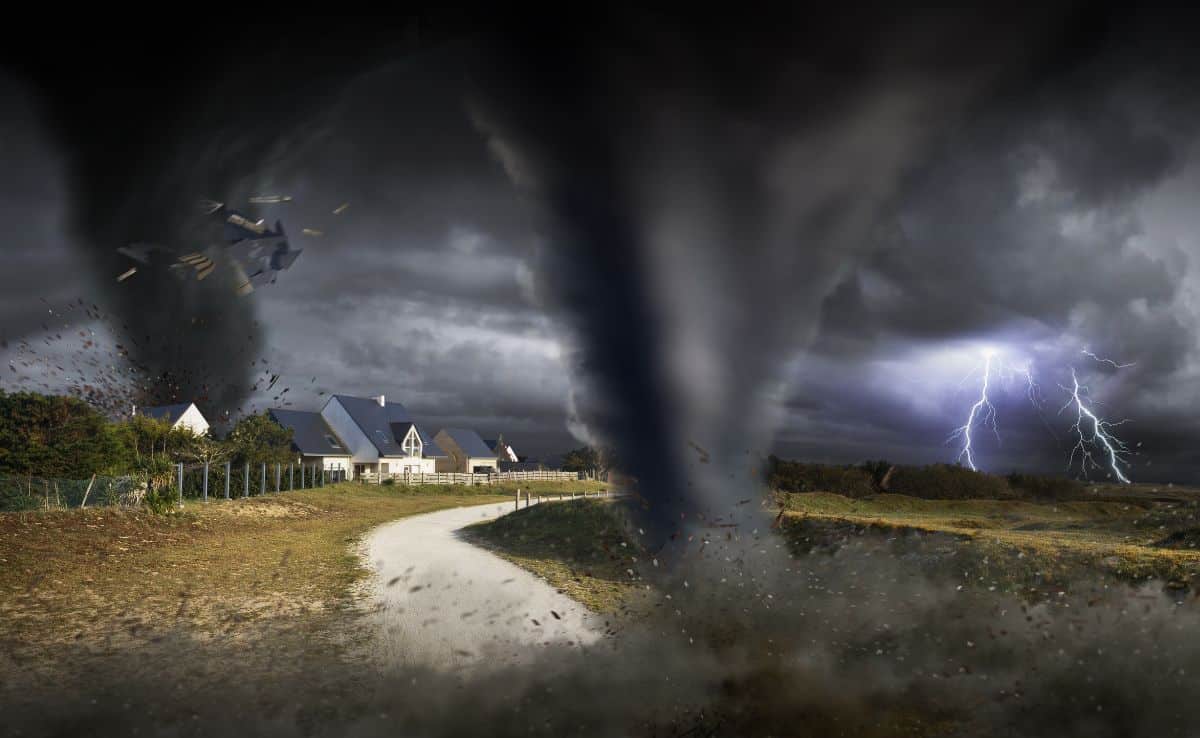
{"type": "Point", "coordinates": [253, 251]}
{"type": "Point", "coordinates": [341, 208]}
{"type": "Point", "coordinates": [127, 274]}
{"type": "Point", "coordinates": [270, 199]}
{"type": "Point", "coordinates": [312, 232]}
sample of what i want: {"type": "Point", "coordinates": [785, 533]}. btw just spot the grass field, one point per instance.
{"type": "Point", "coordinates": [79, 584]}
{"type": "Point", "coordinates": [1134, 537]}
{"type": "Point", "coordinates": [576, 546]}
{"type": "Point", "coordinates": [1032, 548]}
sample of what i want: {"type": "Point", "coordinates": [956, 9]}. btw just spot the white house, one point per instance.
{"type": "Point", "coordinates": [184, 415]}
{"type": "Point", "coordinates": [380, 436]}
{"type": "Point", "coordinates": [465, 452]}
{"type": "Point", "coordinates": [315, 442]}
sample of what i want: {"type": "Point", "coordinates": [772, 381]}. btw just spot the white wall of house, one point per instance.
{"type": "Point", "coordinates": [193, 420]}
{"type": "Point", "coordinates": [409, 464]}
{"type": "Point", "coordinates": [330, 463]}
{"type": "Point", "coordinates": [490, 462]}
{"type": "Point", "coordinates": [362, 451]}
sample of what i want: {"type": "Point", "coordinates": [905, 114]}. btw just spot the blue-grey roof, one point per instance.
{"type": "Point", "coordinates": [431, 448]}
{"type": "Point", "coordinates": [169, 413]}
{"type": "Point", "coordinates": [385, 426]}
{"type": "Point", "coordinates": [469, 441]}
{"type": "Point", "coordinates": [311, 435]}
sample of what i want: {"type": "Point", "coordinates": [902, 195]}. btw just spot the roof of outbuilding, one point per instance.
{"type": "Point", "coordinates": [311, 435]}
{"type": "Point", "coordinates": [169, 413]}
{"type": "Point", "coordinates": [469, 441]}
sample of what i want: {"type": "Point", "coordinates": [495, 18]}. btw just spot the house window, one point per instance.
{"type": "Point", "coordinates": [412, 443]}
{"type": "Point", "coordinates": [333, 443]}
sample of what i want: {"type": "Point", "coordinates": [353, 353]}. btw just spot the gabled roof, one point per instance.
{"type": "Point", "coordinates": [311, 435]}
{"type": "Point", "coordinates": [432, 450]}
{"type": "Point", "coordinates": [469, 441]}
{"type": "Point", "coordinates": [169, 413]}
{"type": "Point", "coordinates": [501, 448]}
{"type": "Point", "coordinates": [377, 423]}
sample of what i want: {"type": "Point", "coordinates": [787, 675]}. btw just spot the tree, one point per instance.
{"type": "Point", "coordinates": [256, 439]}
{"type": "Point", "coordinates": [153, 442]}
{"type": "Point", "coordinates": [51, 436]}
{"type": "Point", "coordinates": [594, 462]}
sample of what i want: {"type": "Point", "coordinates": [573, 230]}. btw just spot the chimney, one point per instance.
{"type": "Point", "coordinates": [382, 400]}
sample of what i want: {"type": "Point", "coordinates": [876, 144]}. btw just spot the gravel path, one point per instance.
{"type": "Point", "coordinates": [445, 603]}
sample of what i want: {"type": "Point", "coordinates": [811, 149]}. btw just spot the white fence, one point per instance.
{"type": "Point", "coordinates": [452, 478]}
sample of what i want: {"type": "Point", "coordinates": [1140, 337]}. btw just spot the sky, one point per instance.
{"type": "Point", "coordinates": [694, 240]}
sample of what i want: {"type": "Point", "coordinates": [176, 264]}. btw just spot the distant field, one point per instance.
{"type": "Point", "coordinates": [1032, 548]}
{"type": "Point", "coordinates": [1129, 535]}
{"type": "Point", "coordinates": [274, 570]}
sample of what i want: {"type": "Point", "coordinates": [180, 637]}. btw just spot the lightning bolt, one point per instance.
{"type": "Point", "coordinates": [1100, 434]}
{"type": "Point", "coordinates": [1110, 362]}
{"type": "Point", "coordinates": [983, 409]}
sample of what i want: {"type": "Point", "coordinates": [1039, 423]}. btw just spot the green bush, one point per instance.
{"type": "Point", "coordinates": [389, 482]}
{"type": "Point", "coordinates": [948, 482]}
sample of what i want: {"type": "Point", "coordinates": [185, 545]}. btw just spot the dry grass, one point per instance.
{"type": "Point", "coordinates": [100, 581]}
{"type": "Point", "coordinates": [1131, 538]}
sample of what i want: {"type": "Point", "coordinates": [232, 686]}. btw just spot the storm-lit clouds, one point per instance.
{"type": "Point", "coordinates": [1043, 229]}
{"type": "Point", "coordinates": [1054, 217]}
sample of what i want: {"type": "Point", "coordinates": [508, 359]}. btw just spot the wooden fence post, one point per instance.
{"type": "Point", "coordinates": [262, 485]}
{"type": "Point", "coordinates": [206, 481]}
{"type": "Point", "coordinates": [278, 475]}
{"type": "Point", "coordinates": [246, 480]}
{"type": "Point", "coordinates": [291, 478]}
{"type": "Point", "coordinates": [228, 466]}
{"type": "Point", "coordinates": [181, 485]}
{"type": "Point", "coordinates": [87, 492]}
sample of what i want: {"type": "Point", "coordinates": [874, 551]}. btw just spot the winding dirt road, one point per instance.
{"type": "Point", "coordinates": [444, 603]}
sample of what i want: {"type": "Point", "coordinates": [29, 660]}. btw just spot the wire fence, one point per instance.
{"type": "Point", "coordinates": [211, 481]}
{"type": "Point", "coordinates": [38, 493]}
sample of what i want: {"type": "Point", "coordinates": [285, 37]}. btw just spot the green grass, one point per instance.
{"type": "Point", "coordinates": [577, 546]}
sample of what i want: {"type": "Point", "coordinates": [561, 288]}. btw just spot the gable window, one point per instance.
{"type": "Point", "coordinates": [412, 442]}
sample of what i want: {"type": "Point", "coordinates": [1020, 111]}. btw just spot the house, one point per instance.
{"type": "Point", "coordinates": [465, 452]}
{"type": "Point", "coordinates": [507, 457]}
{"type": "Point", "coordinates": [502, 450]}
{"type": "Point", "coordinates": [381, 436]}
{"type": "Point", "coordinates": [315, 442]}
{"type": "Point", "coordinates": [183, 415]}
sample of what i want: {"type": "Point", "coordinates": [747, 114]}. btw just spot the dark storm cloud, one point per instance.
{"type": "Point", "coordinates": [37, 262]}
{"type": "Point", "coordinates": [1028, 229]}
{"type": "Point", "coordinates": [702, 196]}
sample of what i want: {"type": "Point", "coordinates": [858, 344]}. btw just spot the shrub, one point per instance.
{"type": "Point", "coordinates": [795, 476]}
{"type": "Point", "coordinates": [389, 482]}
{"type": "Point", "coordinates": [1041, 487]}
{"type": "Point", "coordinates": [948, 482]}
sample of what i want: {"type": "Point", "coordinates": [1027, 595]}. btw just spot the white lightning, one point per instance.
{"type": "Point", "coordinates": [1110, 362]}
{"type": "Point", "coordinates": [983, 409]}
{"type": "Point", "coordinates": [1100, 434]}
